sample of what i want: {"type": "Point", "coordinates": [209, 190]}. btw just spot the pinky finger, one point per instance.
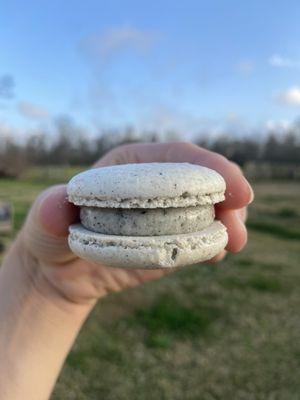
{"type": "Point", "coordinates": [218, 257]}
{"type": "Point", "coordinates": [237, 232]}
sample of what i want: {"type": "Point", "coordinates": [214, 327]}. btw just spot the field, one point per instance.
{"type": "Point", "coordinates": [226, 331]}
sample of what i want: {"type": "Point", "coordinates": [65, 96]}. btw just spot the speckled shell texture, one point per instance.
{"type": "Point", "coordinates": [151, 222]}
{"type": "Point", "coordinates": [148, 252]}
{"type": "Point", "coordinates": [153, 185]}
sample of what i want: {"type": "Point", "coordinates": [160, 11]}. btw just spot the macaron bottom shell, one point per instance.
{"type": "Point", "coordinates": [148, 252]}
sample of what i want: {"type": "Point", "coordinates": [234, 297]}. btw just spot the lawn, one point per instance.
{"type": "Point", "coordinates": [226, 331]}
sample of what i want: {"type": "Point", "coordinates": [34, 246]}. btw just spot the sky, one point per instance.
{"type": "Point", "coordinates": [165, 65]}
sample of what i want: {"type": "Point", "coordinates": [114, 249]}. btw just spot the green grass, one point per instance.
{"type": "Point", "coordinates": [286, 212]}
{"type": "Point", "coordinates": [257, 282]}
{"type": "Point", "coordinates": [274, 230]}
{"type": "Point", "coordinates": [167, 319]}
{"type": "Point", "coordinates": [226, 331]}
{"type": "Point", "coordinates": [51, 175]}
{"type": "Point", "coordinates": [21, 193]}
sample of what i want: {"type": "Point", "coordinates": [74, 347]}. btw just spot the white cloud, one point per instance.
{"type": "Point", "coordinates": [290, 97]}
{"type": "Point", "coordinates": [278, 61]}
{"type": "Point", "coordinates": [32, 111]}
{"type": "Point", "coordinates": [5, 129]}
{"type": "Point", "coordinates": [8, 132]}
{"type": "Point", "coordinates": [279, 126]}
{"type": "Point", "coordinates": [234, 118]}
{"type": "Point", "coordinates": [7, 85]}
{"type": "Point", "coordinates": [115, 40]}
{"type": "Point", "coordinates": [164, 118]}
{"type": "Point", "coordinates": [245, 67]}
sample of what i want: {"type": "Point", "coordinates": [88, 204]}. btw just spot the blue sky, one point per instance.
{"type": "Point", "coordinates": [189, 66]}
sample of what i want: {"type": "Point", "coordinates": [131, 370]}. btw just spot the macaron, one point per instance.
{"type": "Point", "coordinates": [154, 215]}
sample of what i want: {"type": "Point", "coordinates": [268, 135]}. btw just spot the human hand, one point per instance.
{"type": "Point", "coordinates": [46, 292]}
{"type": "Point", "coordinates": [43, 238]}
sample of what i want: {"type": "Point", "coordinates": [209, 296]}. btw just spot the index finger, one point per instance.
{"type": "Point", "coordinates": [238, 190]}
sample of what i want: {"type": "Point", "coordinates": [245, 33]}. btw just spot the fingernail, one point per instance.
{"type": "Point", "coordinates": [250, 191]}
{"type": "Point", "coordinates": [243, 225]}
{"type": "Point", "coordinates": [239, 214]}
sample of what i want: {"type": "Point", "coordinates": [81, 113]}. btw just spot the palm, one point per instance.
{"type": "Point", "coordinates": [81, 281]}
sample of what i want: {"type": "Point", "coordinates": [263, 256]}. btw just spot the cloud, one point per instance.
{"type": "Point", "coordinates": [10, 132]}
{"type": "Point", "coordinates": [7, 85]}
{"type": "Point", "coordinates": [108, 44]}
{"type": "Point", "coordinates": [162, 118]}
{"type": "Point", "coordinates": [166, 120]}
{"type": "Point", "coordinates": [5, 129]}
{"type": "Point", "coordinates": [290, 97]}
{"type": "Point", "coordinates": [32, 111]}
{"type": "Point", "coordinates": [279, 126]}
{"type": "Point", "coordinates": [245, 67]}
{"type": "Point", "coordinates": [278, 61]}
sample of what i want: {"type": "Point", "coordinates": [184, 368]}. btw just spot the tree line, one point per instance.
{"type": "Point", "coordinates": [72, 146]}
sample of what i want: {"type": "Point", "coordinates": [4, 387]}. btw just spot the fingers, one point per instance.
{"type": "Point", "coordinates": [135, 153]}
{"type": "Point", "coordinates": [243, 213]}
{"type": "Point", "coordinates": [55, 213]}
{"type": "Point", "coordinates": [46, 228]}
{"type": "Point", "coordinates": [218, 257]}
{"type": "Point", "coordinates": [238, 191]}
{"type": "Point", "coordinates": [237, 232]}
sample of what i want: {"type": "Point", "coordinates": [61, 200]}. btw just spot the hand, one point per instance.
{"type": "Point", "coordinates": [46, 292]}
{"type": "Point", "coordinates": [44, 237]}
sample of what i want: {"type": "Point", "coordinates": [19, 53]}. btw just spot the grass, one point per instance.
{"type": "Point", "coordinates": [257, 282]}
{"type": "Point", "coordinates": [21, 193]}
{"type": "Point", "coordinates": [286, 212]}
{"type": "Point", "coordinates": [274, 230]}
{"type": "Point", "coordinates": [167, 319]}
{"type": "Point", "coordinates": [226, 331]}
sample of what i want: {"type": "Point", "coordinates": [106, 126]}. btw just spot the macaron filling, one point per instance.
{"type": "Point", "coordinates": [147, 222]}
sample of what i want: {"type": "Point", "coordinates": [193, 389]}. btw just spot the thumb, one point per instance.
{"type": "Point", "coordinates": [46, 228]}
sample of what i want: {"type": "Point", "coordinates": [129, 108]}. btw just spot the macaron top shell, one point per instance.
{"type": "Point", "coordinates": [150, 185]}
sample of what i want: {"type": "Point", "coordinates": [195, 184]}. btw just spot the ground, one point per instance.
{"type": "Point", "coordinates": [226, 331]}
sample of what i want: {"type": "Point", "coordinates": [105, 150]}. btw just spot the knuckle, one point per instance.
{"type": "Point", "coordinates": [183, 145]}
{"type": "Point", "coordinates": [173, 148]}
{"type": "Point", "coordinates": [121, 154]}
{"type": "Point", "coordinates": [236, 167]}
{"type": "Point", "coordinates": [221, 158]}
{"type": "Point", "coordinates": [50, 189]}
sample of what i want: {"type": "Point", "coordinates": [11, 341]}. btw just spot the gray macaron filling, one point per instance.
{"type": "Point", "coordinates": [147, 222]}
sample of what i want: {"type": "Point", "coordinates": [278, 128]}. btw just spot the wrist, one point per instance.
{"type": "Point", "coordinates": [38, 327]}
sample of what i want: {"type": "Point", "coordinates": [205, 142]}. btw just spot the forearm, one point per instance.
{"type": "Point", "coordinates": [37, 329]}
